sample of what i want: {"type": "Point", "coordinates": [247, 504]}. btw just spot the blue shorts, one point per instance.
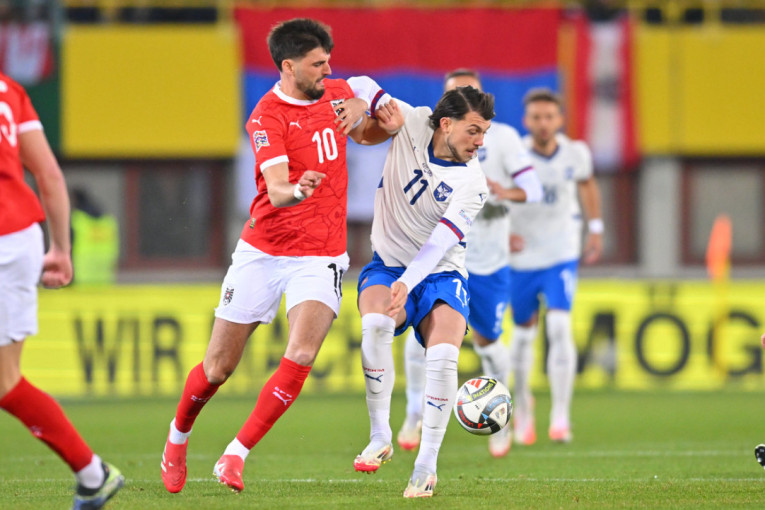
{"type": "Point", "coordinates": [449, 287]}
{"type": "Point", "coordinates": [488, 302]}
{"type": "Point", "coordinates": [556, 283]}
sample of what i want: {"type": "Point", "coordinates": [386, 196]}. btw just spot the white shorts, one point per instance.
{"type": "Point", "coordinates": [21, 259]}
{"type": "Point", "coordinates": [255, 281]}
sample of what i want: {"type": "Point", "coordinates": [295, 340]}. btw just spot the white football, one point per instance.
{"type": "Point", "coordinates": [483, 405]}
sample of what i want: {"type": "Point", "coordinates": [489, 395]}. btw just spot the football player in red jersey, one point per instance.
{"type": "Point", "coordinates": [22, 264]}
{"type": "Point", "coordinates": [293, 244]}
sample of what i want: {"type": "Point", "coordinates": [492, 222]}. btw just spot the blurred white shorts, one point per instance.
{"type": "Point", "coordinates": [253, 287]}
{"type": "Point", "coordinates": [21, 259]}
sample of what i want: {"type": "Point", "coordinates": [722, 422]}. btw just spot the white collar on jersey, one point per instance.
{"type": "Point", "coordinates": [291, 100]}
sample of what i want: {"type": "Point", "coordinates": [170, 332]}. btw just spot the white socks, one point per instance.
{"type": "Point", "coordinates": [414, 366]}
{"type": "Point", "coordinates": [237, 448]}
{"type": "Point", "coordinates": [379, 373]}
{"type": "Point", "coordinates": [176, 436]}
{"type": "Point", "coordinates": [92, 475]}
{"type": "Point", "coordinates": [495, 360]}
{"type": "Point", "coordinates": [440, 392]}
{"type": "Point", "coordinates": [521, 361]}
{"type": "Point", "coordinates": [561, 366]}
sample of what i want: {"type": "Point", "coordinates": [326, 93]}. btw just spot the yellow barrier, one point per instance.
{"type": "Point", "coordinates": [142, 340]}
{"type": "Point", "coordinates": [698, 91]}
{"type": "Point", "coordinates": [151, 91]}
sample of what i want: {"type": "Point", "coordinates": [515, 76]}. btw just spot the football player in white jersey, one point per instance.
{"type": "Point", "coordinates": [507, 165]}
{"type": "Point", "coordinates": [431, 191]}
{"type": "Point", "coordinates": [546, 246]}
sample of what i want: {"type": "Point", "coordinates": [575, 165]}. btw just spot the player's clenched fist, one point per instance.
{"type": "Point", "coordinates": [389, 117]}
{"type": "Point", "coordinates": [57, 269]}
{"type": "Point", "coordinates": [309, 181]}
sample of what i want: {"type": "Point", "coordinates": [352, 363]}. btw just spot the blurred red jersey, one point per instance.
{"type": "Point", "coordinates": [19, 206]}
{"type": "Point", "coordinates": [302, 134]}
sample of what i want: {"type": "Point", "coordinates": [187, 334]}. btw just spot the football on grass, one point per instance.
{"type": "Point", "coordinates": [483, 405]}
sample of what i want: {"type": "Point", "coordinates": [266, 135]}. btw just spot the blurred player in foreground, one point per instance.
{"type": "Point", "coordinates": [430, 193]}
{"type": "Point", "coordinates": [546, 246]}
{"type": "Point", "coordinates": [294, 244]}
{"type": "Point", "coordinates": [22, 142]}
{"type": "Point", "coordinates": [759, 451]}
{"type": "Point", "coordinates": [511, 177]}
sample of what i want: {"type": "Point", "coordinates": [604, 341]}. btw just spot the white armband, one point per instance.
{"type": "Point", "coordinates": [440, 241]}
{"type": "Point", "coordinates": [595, 226]}
{"type": "Point", "coordinates": [297, 193]}
{"type": "Point", "coordinates": [367, 89]}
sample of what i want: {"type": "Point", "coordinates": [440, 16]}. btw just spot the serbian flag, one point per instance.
{"type": "Point", "coordinates": [408, 50]}
{"type": "Point", "coordinates": [599, 92]}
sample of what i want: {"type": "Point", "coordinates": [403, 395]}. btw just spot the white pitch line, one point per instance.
{"type": "Point", "coordinates": [491, 480]}
{"type": "Point", "coordinates": [519, 453]}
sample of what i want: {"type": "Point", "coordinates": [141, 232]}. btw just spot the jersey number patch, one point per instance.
{"type": "Point", "coordinates": [423, 186]}
{"type": "Point", "coordinates": [325, 145]}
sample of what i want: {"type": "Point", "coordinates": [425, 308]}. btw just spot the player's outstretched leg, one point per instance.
{"type": "Point", "coordinates": [521, 361]}
{"type": "Point", "coordinates": [197, 391]}
{"type": "Point", "coordinates": [278, 394]}
{"type": "Point", "coordinates": [42, 415]}
{"type": "Point", "coordinates": [440, 392]}
{"type": "Point", "coordinates": [759, 452]}
{"type": "Point", "coordinates": [379, 374]}
{"type": "Point", "coordinates": [414, 365]}
{"type": "Point", "coordinates": [561, 369]}
{"type": "Point", "coordinates": [93, 499]}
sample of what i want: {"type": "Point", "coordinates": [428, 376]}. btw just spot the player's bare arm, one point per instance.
{"type": "Point", "coordinates": [38, 158]}
{"type": "Point", "coordinates": [282, 192]}
{"type": "Point", "coordinates": [502, 193]}
{"type": "Point", "coordinates": [589, 193]}
{"type": "Point", "coordinates": [389, 120]}
{"type": "Point", "coordinates": [349, 112]}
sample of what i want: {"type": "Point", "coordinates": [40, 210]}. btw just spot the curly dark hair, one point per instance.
{"type": "Point", "coordinates": [296, 37]}
{"type": "Point", "coordinates": [456, 103]}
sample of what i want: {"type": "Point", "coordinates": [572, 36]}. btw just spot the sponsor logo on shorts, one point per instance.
{"type": "Point", "coordinates": [228, 295]}
{"type": "Point", "coordinates": [465, 217]}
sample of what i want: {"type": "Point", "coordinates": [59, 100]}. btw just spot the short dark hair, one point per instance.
{"type": "Point", "coordinates": [542, 94]}
{"type": "Point", "coordinates": [463, 71]}
{"type": "Point", "coordinates": [456, 103]}
{"type": "Point", "coordinates": [296, 37]}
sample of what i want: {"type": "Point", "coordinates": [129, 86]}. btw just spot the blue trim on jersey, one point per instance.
{"type": "Point", "coordinates": [380, 93]}
{"type": "Point", "coordinates": [488, 302]}
{"type": "Point", "coordinates": [441, 162]}
{"type": "Point", "coordinates": [522, 170]}
{"type": "Point", "coordinates": [453, 228]}
{"type": "Point", "coordinates": [551, 156]}
{"type": "Point", "coordinates": [449, 287]}
{"type": "Point", "coordinates": [557, 284]}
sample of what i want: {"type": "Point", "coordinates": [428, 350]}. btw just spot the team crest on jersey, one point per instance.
{"type": "Point", "coordinates": [228, 295]}
{"type": "Point", "coordinates": [442, 192]}
{"type": "Point", "coordinates": [336, 102]}
{"type": "Point", "coordinates": [261, 140]}
{"type": "Point", "coordinates": [481, 153]}
{"type": "Point", "coordinates": [569, 172]}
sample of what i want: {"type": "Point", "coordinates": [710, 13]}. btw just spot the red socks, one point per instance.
{"type": "Point", "coordinates": [196, 393]}
{"type": "Point", "coordinates": [279, 392]}
{"type": "Point", "coordinates": [46, 421]}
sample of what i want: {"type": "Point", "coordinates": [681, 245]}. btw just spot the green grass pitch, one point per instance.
{"type": "Point", "coordinates": [630, 450]}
